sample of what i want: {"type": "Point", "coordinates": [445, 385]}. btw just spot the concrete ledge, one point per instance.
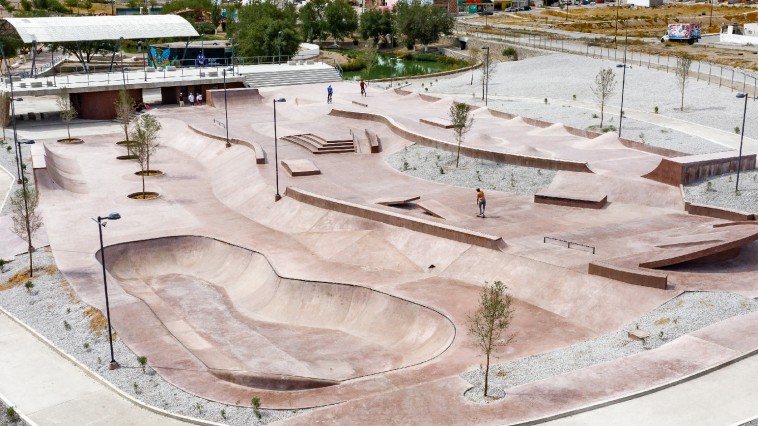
{"type": "Point", "coordinates": [374, 142]}
{"type": "Point", "coordinates": [641, 277]}
{"type": "Point", "coordinates": [683, 170]}
{"type": "Point", "coordinates": [717, 212]}
{"type": "Point", "coordinates": [260, 154]}
{"type": "Point", "coordinates": [300, 167]}
{"type": "Point", "coordinates": [361, 104]}
{"type": "Point", "coordinates": [419, 225]}
{"type": "Point", "coordinates": [500, 157]}
{"type": "Point", "coordinates": [437, 122]}
{"type": "Point", "coordinates": [569, 201]}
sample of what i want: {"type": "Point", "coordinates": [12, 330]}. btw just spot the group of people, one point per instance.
{"type": "Point", "coordinates": [192, 99]}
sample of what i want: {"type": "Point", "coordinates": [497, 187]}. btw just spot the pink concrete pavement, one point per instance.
{"type": "Point", "coordinates": [221, 193]}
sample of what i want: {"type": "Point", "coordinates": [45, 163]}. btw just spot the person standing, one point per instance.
{"type": "Point", "coordinates": [200, 98]}
{"type": "Point", "coordinates": [191, 99]}
{"type": "Point", "coordinates": [480, 201]}
{"type": "Point", "coordinates": [329, 92]}
{"type": "Point", "coordinates": [363, 88]}
{"type": "Point", "coordinates": [181, 99]}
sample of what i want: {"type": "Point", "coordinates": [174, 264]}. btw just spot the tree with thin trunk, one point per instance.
{"type": "Point", "coordinates": [461, 122]}
{"type": "Point", "coordinates": [489, 67]}
{"type": "Point", "coordinates": [145, 136]}
{"type": "Point", "coordinates": [603, 89]}
{"type": "Point", "coordinates": [475, 54]}
{"type": "Point", "coordinates": [124, 106]}
{"type": "Point", "coordinates": [371, 55]}
{"type": "Point", "coordinates": [26, 220]}
{"type": "Point", "coordinates": [5, 102]}
{"type": "Point", "coordinates": [490, 320]}
{"type": "Point", "coordinates": [67, 110]}
{"type": "Point", "coordinates": [683, 64]}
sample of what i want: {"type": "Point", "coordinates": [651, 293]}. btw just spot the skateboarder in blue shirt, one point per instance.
{"type": "Point", "coordinates": [329, 94]}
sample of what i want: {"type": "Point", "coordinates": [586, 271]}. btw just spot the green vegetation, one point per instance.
{"type": "Point", "coordinates": [260, 24]}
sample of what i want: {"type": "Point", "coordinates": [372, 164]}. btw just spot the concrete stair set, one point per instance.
{"type": "Point", "coordinates": [292, 77]}
{"type": "Point", "coordinates": [318, 145]}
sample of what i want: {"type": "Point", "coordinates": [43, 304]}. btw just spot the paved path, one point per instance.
{"type": "Point", "coordinates": [50, 390]}
{"type": "Point", "coordinates": [6, 183]}
{"type": "Point", "coordinates": [724, 397]}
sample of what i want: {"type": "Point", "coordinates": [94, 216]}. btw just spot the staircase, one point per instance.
{"type": "Point", "coordinates": [292, 77]}
{"type": "Point", "coordinates": [318, 145]}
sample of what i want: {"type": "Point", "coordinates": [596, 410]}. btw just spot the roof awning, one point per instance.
{"type": "Point", "coordinates": [90, 28]}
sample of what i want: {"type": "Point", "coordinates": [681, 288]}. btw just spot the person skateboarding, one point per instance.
{"type": "Point", "coordinates": [329, 94]}
{"type": "Point", "coordinates": [480, 201]}
{"type": "Point", "coordinates": [363, 88]}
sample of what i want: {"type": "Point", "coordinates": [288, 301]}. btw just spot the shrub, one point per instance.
{"type": "Point", "coordinates": [737, 130]}
{"type": "Point", "coordinates": [256, 403]}
{"type": "Point", "coordinates": [66, 325]}
{"type": "Point", "coordinates": [29, 286]}
{"type": "Point", "coordinates": [142, 362]}
{"type": "Point", "coordinates": [656, 110]}
{"type": "Point", "coordinates": [354, 65]}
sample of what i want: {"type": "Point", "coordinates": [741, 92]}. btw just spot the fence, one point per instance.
{"type": "Point", "coordinates": [733, 78]}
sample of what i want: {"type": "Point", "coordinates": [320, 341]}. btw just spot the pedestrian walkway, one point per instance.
{"type": "Point", "coordinates": [50, 390]}
{"type": "Point", "coordinates": [724, 397]}
{"type": "Point", "coordinates": [6, 183]}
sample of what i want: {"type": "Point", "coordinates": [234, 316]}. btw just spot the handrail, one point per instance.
{"type": "Point", "coordinates": [568, 243]}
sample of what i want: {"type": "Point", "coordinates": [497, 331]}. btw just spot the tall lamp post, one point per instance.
{"type": "Point", "coordinates": [487, 76]}
{"type": "Point", "coordinates": [279, 47]}
{"type": "Point", "coordinates": [19, 157]}
{"type": "Point", "coordinates": [742, 138]}
{"type": "Point", "coordinates": [226, 113]}
{"type": "Point", "coordinates": [623, 77]}
{"type": "Point", "coordinates": [144, 57]}
{"type": "Point", "coordinates": [277, 197]}
{"type": "Point", "coordinates": [101, 222]}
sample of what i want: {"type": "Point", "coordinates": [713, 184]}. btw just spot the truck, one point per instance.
{"type": "Point", "coordinates": [686, 33]}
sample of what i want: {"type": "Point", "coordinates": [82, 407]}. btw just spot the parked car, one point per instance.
{"type": "Point", "coordinates": [524, 8]}
{"type": "Point", "coordinates": [512, 9]}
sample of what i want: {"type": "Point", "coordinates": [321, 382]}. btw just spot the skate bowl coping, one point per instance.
{"type": "Point", "coordinates": [249, 326]}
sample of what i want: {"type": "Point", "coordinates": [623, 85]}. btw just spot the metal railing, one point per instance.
{"type": "Point", "coordinates": [568, 243]}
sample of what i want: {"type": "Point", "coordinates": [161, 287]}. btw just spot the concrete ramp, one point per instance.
{"type": "Point", "coordinates": [234, 97]}
{"type": "Point", "coordinates": [249, 326]}
{"type": "Point", "coordinates": [683, 170]}
{"type": "Point", "coordinates": [64, 170]}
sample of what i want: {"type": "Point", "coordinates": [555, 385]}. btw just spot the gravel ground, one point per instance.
{"type": "Point", "coordinates": [7, 420]}
{"type": "Point", "coordinates": [52, 308]}
{"type": "Point", "coordinates": [520, 87]}
{"type": "Point", "coordinates": [439, 166]}
{"type": "Point", "coordinates": [720, 191]}
{"type": "Point", "coordinates": [684, 314]}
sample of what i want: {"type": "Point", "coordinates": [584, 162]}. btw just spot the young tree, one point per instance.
{"type": "Point", "coordinates": [145, 135]}
{"type": "Point", "coordinates": [475, 54]}
{"type": "Point", "coordinates": [683, 64]}
{"type": "Point", "coordinates": [603, 89]}
{"type": "Point", "coordinates": [461, 121]}
{"type": "Point", "coordinates": [26, 220]}
{"type": "Point", "coordinates": [124, 106]}
{"type": "Point", "coordinates": [68, 112]}
{"type": "Point", "coordinates": [5, 104]}
{"type": "Point", "coordinates": [490, 59]}
{"type": "Point", "coordinates": [490, 320]}
{"type": "Point", "coordinates": [341, 19]}
{"type": "Point", "coordinates": [370, 57]}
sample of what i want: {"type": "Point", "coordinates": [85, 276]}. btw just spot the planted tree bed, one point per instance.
{"type": "Point", "coordinates": [149, 173]}
{"type": "Point", "coordinates": [144, 195]}
{"type": "Point", "coordinates": [71, 141]}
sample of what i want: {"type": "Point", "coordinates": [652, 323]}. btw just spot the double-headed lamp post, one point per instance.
{"type": "Point", "coordinates": [277, 197]}
{"type": "Point", "coordinates": [742, 138]}
{"type": "Point", "coordinates": [101, 222]}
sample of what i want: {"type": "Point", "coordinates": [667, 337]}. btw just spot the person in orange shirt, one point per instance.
{"type": "Point", "coordinates": [480, 201]}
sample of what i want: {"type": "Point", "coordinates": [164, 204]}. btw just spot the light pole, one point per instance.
{"type": "Point", "coordinates": [277, 197]}
{"type": "Point", "coordinates": [279, 47]}
{"type": "Point", "coordinates": [487, 77]}
{"type": "Point", "coordinates": [144, 58]}
{"type": "Point", "coordinates": [623, 77]}
{"type": "Point", "coordinates": [226, 114]}
{"type": "Point", "coordinates": [121, 49]}
{"type": "Point", "coordinates": [100, 225]}
{"type": "Point", "coordinates": [742, 137]}
{"type": "Point", "coordinates": [19, 157]}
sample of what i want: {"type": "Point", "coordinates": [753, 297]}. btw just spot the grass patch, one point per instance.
{"type": "Point", "coordinates": [97, 321]}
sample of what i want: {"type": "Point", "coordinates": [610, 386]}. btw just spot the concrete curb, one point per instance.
{"type": "Point", "coordinates": [22, 416]}
{"type": "Point", "coordinates": [105, 382]}
{"type": "Point", "coordinates": [638, 394]}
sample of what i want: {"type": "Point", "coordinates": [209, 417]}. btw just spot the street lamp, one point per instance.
{"type": "Point", "coordinates": [226, 112]}
{"type": "Point", "coordinates": [623, 77]}
{"type": "Point", "coordinates": [279, 46]}
{"type": "Point", "coordinates": [144, 58]}
{"type": "Point", "coordinates": [277, 197]}
{"type": "Point", "coordinates": [19, 157]}
{"type": "Point", "coordinates": [487, 76]}
{"type": "Point", "coordinates": [100, 225]}
{"type": "Point", "coordinates": [742, 137]}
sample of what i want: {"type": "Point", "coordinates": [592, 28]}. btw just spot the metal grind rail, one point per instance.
{"type": "Point", "coordinates": [568, 243]}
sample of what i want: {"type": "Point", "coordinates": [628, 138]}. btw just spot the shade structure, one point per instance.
{"type": "Point", "coordinates": [89, 28]}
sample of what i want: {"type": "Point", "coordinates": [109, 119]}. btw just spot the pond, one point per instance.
{"type": "Point", "coordinates": [388, 66]}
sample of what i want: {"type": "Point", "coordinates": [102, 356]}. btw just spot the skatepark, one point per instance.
{"type": "Point", "coordinates": [349, 296]}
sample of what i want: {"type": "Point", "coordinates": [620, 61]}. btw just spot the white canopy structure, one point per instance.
{"type": "Point", "coordinates": [89, 28]}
